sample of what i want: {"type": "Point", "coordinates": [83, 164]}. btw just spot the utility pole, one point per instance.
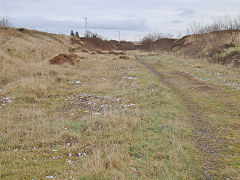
{"type": "Point", "coordinates": [119, 33]}
{"type": "Point", "coordinates": [86, 23]}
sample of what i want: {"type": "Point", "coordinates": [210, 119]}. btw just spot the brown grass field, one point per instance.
{"type": "Point", "coordinates": [108, 117]}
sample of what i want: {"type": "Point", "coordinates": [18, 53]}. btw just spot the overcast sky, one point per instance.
{"type": "Point", "coordinates": [133, 18]}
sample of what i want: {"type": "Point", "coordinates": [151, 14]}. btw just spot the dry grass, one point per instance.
{"type": "Point", "coordinates": [138, 131]}
{"type": "Point", "coordinates": [215, 90]}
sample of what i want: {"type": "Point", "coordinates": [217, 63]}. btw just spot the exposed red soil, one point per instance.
{"type": "Point", "coordinates": [64, 58]}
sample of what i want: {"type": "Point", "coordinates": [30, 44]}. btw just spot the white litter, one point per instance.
{"type": "Point", "coordinates": [77, 82]}
{"type": "Point", "coordinates": [132, 78]}
{"type": "Point", "coordinates": [50, 177]}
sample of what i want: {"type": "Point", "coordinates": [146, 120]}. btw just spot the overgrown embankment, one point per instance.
{"type": "Point", "coordinates": [215, 47]}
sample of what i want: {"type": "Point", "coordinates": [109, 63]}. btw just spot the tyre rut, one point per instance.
{"type": "Point", "coordinates": [206, 136]}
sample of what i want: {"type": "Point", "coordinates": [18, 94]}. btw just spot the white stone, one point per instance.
{"type": "Point", "coordinates": [77, 82]}
{"type": "Point", "coordinates": [50, 177]}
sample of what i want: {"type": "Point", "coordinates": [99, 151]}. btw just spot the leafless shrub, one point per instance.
{"type": "Point", "coordinates": [226, 27]}
{"type": "Point", "coordinates": [232, 26]}
{"type": "Point", "coordinates": [5, 23]}
{"type": "Point", "coordinates": [198, 31]}
{"type": "Point", "coordinates": [179, 35]}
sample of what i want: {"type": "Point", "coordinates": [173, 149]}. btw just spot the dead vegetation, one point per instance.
{"type": "Point", "coordinates": [205, 41]}
{"type": "Point", "coordinates": [46, 132]}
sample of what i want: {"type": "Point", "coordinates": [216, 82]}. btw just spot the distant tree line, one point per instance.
{"type": "Point", "coordinates": [74, 34]}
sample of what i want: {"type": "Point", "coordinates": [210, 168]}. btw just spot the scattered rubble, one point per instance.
{"type": "Point", "coordinates": [127, 82]}
{"type": "Point", "coordinates": [78, 105]}
{"type": "Point", "coordinates": [4, 101]}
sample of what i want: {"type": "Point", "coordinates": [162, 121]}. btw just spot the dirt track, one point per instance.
{"type": "Point", "coordinates": [207, 137]}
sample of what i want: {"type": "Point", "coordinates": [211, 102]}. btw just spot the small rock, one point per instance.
{"type": "Point", "coordinates": [50, 177]}
{"type": "Point", "coordinates": [134, 169]}
{"type": "Point", "coordinates": [69, 162]}
{"type": "Point", "coordinates": [132, 78]}
{"type": "Point", "coordinates": [77, 82]}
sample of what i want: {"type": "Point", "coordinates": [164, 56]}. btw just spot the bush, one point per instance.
{"type": "Point", "coordinates": [4, 22]}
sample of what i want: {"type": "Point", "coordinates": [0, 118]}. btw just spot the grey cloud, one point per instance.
{"type": "Point", "coordinates": [133, 18]}
{"type": "Point", "coordinates": [185, 12]}
{"type": "Point", "coordinates": [122, 24]}
{"type": "Point", "coordinates": [176, 21]}
{"type": "Point", "coordinates": [64, 26]}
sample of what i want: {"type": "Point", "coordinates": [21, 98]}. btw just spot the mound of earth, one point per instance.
{"type": "Point", "coordinates": [64, 58]}
{"type": "Point", "coordinates": [165, 43]}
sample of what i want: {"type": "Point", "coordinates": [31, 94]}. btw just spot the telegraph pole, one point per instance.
{"type": "Point", "coordinates": [86, 23]}
{"type": "Point", "coordinates": [119, 33]}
